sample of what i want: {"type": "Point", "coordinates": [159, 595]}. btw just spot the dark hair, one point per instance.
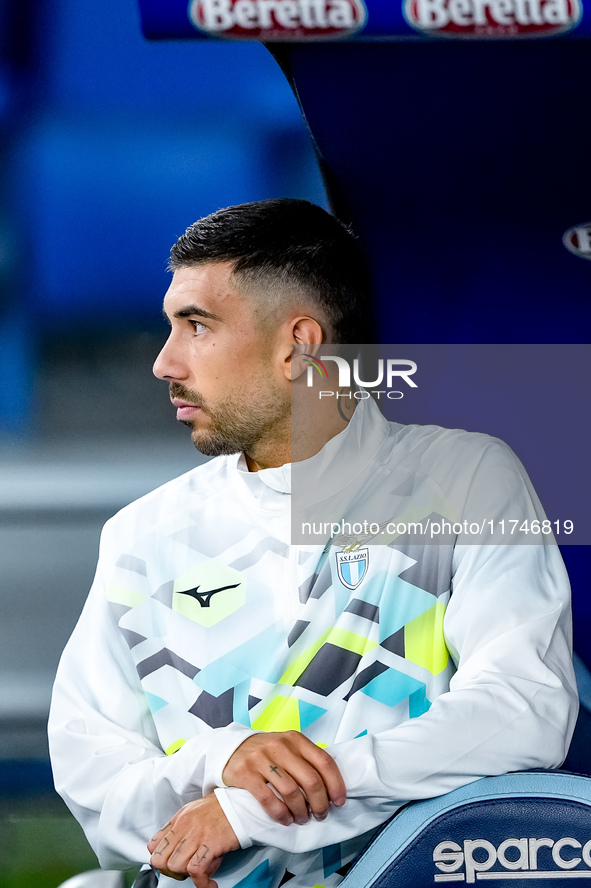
{"type": "Point", "coordinates": [287, 243]}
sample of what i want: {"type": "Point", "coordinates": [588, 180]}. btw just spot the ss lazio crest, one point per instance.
{"type": "Point", "coordinates": [352, 567]}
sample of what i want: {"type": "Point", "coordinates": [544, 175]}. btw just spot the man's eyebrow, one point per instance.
{"type": "Point", "coordinates": [190, 311]}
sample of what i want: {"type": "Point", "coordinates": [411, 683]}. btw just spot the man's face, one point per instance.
{"type": "Point", "coordinates": [218, 363]}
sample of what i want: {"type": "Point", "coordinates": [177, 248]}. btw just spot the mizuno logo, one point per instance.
{"type": "Point", "coordinates": [204, 598]}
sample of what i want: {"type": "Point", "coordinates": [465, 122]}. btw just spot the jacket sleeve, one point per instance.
{"type": "Point", "coordinates": [512, 703]}
{"type": "Point", "coordinates": [107, 761]}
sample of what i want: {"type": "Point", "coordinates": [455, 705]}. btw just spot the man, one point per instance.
{"type": "Point", "coordinates": [232, 704]}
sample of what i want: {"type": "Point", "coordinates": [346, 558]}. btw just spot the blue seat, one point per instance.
{"type": "Point", "coordinates": [530, 828]}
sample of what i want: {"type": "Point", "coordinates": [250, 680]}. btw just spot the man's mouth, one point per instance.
{"type": "Point", "coordinates": [184, 409]}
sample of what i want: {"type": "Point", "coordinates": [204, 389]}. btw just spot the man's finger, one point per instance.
{"type": "Point", "coordinates": [268, 800]}
{"type": "Point", "coordinates": [293, 798]}
{"type": "Point", "coordinates": [311, 788]}
{"type": "Point", "coordinates": [163, 850]}
{"type": "Point", "coordinates": [302, 789]}
{"type": "Point", "coordinates": [325, 765]}
{"type": "Point", "coordinates": [314, 773]}
{"type": "Point", "coordinates": [180, 856]}
{"type": "Point", "coordinates": [171, 855]}
{"type": "Point", "coordinates": [202, 865]}
{"type": "Point", "coordinates": [157, 837]}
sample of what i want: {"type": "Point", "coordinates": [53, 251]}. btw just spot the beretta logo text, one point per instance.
{"type": "Point", "coordinates": [278, 19]}
{"type": "Point", "coordinates": [493, 18]}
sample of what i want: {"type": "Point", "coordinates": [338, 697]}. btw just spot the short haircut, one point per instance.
{"type": "Point", "coordinates": [286, 246]}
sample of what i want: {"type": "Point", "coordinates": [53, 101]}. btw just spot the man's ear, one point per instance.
{"type": "Point", "coordinates": [305, 336]}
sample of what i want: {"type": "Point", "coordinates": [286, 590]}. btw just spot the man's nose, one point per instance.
{"type": "Point", "coordinates": [168, 364]}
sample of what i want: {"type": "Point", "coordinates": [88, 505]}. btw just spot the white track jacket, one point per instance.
{"type": "Point", "coordinates": [420, 663]}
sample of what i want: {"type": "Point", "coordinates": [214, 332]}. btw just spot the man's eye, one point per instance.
{"type": "Point", "coordinates": [198, 327]}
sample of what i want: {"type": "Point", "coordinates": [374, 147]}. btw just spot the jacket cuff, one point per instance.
{"type": "Point", "coordinates": [232, 817]}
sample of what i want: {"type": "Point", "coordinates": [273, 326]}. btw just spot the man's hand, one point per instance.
{"type": "Point", "coordinates": [194, 842]}
{"type": "Point", "coordinates": [306, 777]}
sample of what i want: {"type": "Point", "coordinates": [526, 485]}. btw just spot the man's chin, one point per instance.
{"type": "Point", "coordinates": [213, 445]}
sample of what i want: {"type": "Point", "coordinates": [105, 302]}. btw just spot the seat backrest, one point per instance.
{"type": "Point", "coordinates": [530, 828]}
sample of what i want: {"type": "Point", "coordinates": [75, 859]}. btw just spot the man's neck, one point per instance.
{"type": "Point", "coordinates": [313, 424]}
